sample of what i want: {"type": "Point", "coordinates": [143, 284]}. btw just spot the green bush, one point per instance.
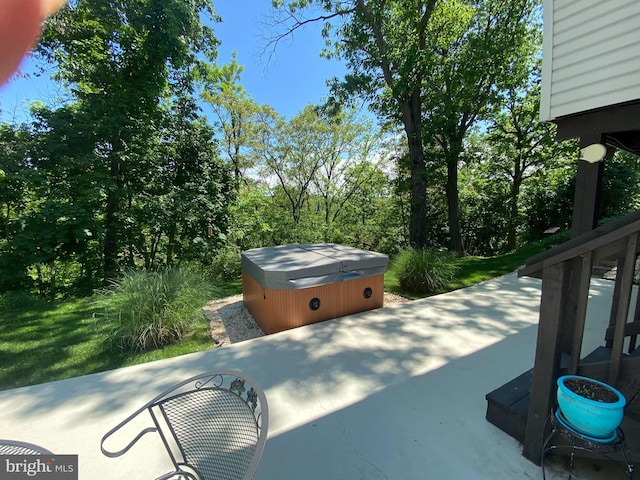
{"type": "Point", "coordinates": [425, 270]}
{"type": "Point", "coordinates": [226, 264]}
{"type": "Point", "coordinates": [145, 309]}
{"type": "Point", "coordinates": [19, 299]}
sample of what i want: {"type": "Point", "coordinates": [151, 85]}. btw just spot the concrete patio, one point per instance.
{"type": "Point", "coordinates": [394, 393]}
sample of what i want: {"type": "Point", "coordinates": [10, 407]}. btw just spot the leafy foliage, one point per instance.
{"type": "Point", "coordinates": [237, 116]}
{"type": "Point", "coordinates": [435, 68]}
{"type": "Point", "coordinates": [150, 309]}
{"type": "Point", "coordinates": [226, 263]}
{"type": "Point", "coordinates": [181, 209]}
{"type": "Point", "coordinates": [324, 177]}
{"type": "Point", "coordinates": [547, 200]}
{"type": "Point", "coordinates": [620, 185]}
{"type": "Point", "coordinates": [128, 173]}
{"type": "Point", "coordinates": [121, 60]}
{"type": "Point", "coordinates": [521, 146]}
{"type": "Point", "coordinates": [502, 167]}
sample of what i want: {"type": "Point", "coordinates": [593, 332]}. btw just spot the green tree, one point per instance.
{"type": "Point", "coordinates": [521, 145]}
{"type": "Point", "coordinates": [483, 196]}
{"type": "Point", "coordinates": [291, 154]}
{"type": "Point", "coordinates": [371, 219]}
{"type": "Point", "coordinates": [120, 59]}
{"type": "Point", "coordinates": [383, 43]}
{"type": "Point", "coordinates": [547, 198]}
{"type": "Point", "coordinates": [14, 161]}
{"type": "Point", "coordinates": [315, 167]}
{"type": "Point", "coordinates": [349, 146]}
{"type": "Point", "coordinates": [482, 50]}
{"type": "Point", "coordinates": [236, 114]}
{"type": "Point", "coordinates": [57, 224]}
{"type": "Point", "coordinates": [620, 185]}
{"type": "Point", "coordinates": [251, 225]}
{"type": "Point", "coordinates": [15, 198]}
{"type": "Point", "coordinates": [436, 67]}
{"type": "Point", "coordinates": [182, 210]}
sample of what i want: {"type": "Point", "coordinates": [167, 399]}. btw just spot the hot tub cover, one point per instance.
{"type": "Point", "coordinates": [287, 267]}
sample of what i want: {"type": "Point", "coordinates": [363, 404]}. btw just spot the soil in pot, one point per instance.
{"type": "Point", "coordinates": [591, 390]}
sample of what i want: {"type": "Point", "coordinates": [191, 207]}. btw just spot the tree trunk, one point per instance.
{"type": "Point", "coordinates": [513, 214]}
{"type": "Point", "coordinates": [453, 199]}
{"type": "Point", "coordinates": [144, 250]}
{"type": "Point", "coordinates": [111, 219]}
{"type": "Point", "coordinates": [40, 278]}
{"type": "Point", "coordinates": [171, 236]}
{"type": "Point", "coordinates": [453, 204]}
{"type": "Point", "coordinates": [412, 121]}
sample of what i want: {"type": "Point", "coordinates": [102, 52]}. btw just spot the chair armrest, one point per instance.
{"type": "Point", "coordinates": [128, 447]}
{"type": "Point", "coordinates": [142, 433]}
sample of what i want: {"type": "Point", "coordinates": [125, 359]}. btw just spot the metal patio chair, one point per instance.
{"type": "Point", "coordinates": [213, 425]}
{"type": "Point", "coordinates": [12, 447]}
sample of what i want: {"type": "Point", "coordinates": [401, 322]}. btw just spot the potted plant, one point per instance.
{"type": "Point", "coordinates": [590, 406]}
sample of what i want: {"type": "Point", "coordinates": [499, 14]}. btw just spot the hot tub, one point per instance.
{"type": "Point", "coordinates": [288, 286]}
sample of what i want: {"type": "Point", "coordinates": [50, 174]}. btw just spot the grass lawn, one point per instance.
{"type": "Point", "coordinates": [474, 270]}
{"type": "Point", "coordinates": [44, 341]}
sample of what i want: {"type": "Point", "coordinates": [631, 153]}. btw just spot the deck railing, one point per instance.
{"type": "Point", "coordinates": [566, 272]}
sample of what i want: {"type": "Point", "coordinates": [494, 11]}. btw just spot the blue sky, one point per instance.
{"type": "Point", "coordinates": [293, 78]}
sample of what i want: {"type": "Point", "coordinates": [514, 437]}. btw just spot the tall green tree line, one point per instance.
{"type": "Point", "coordinates": [435, 67]}
{"type": "Point", "coordinates": [122, 60]}
{"type": "Point", "coordinates": [127, 172]}
{"type": "Point", "coordinates": [130, 174]}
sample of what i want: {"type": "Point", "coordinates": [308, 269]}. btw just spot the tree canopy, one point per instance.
{"type": "Point", "coordinates": [129, 173]}
{"type": "Point", "coordinates": [435, 67]}
{"type": "Point", "coordinates": [123, 62]}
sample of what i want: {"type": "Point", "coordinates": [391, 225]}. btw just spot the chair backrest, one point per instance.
{"type": "Point", "coordinates": [213, 425]}
{"type": "Point", "coordinates": [12, 447]}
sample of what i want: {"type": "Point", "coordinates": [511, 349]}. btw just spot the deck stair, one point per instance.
{"type": "Point", "coordinates": [521, 407]}
{"type": "Point", "coordinates": [508, 405]}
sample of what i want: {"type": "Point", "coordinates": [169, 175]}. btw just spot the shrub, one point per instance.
{"type": "Point", "coordinates": [425, 270]}
{"type": "Point", "coordinates": [226, 264]}
{"type": "Point", "coordinates": [150, 309]}
{"type": "Point", "coordinates": [19, 300]}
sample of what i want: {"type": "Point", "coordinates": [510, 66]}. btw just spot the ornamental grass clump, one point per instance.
{"type": "Point", "coordinates": [425, 270]}
{"type": "Point", "coordinates": [145, 309]}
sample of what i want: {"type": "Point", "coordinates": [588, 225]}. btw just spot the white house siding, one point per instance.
{"type": "Point", "coordinates": [591, 55]}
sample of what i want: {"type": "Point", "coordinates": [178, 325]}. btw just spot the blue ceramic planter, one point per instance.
{"type": "Point", "coordinates": [590, 417]}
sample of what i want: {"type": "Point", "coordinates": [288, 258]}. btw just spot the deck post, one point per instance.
{"type": "Point", "coordinates": [586, 199]}
{"type": "Point", "coordinates": [547, 359]}
{"type": "Point", "coordinates": [572, 301]}
{"type": "Point", "coordinates": [586, 206]}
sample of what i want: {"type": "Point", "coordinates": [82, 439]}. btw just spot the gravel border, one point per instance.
{"type": "Point", "coordinates": [230, 322]}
